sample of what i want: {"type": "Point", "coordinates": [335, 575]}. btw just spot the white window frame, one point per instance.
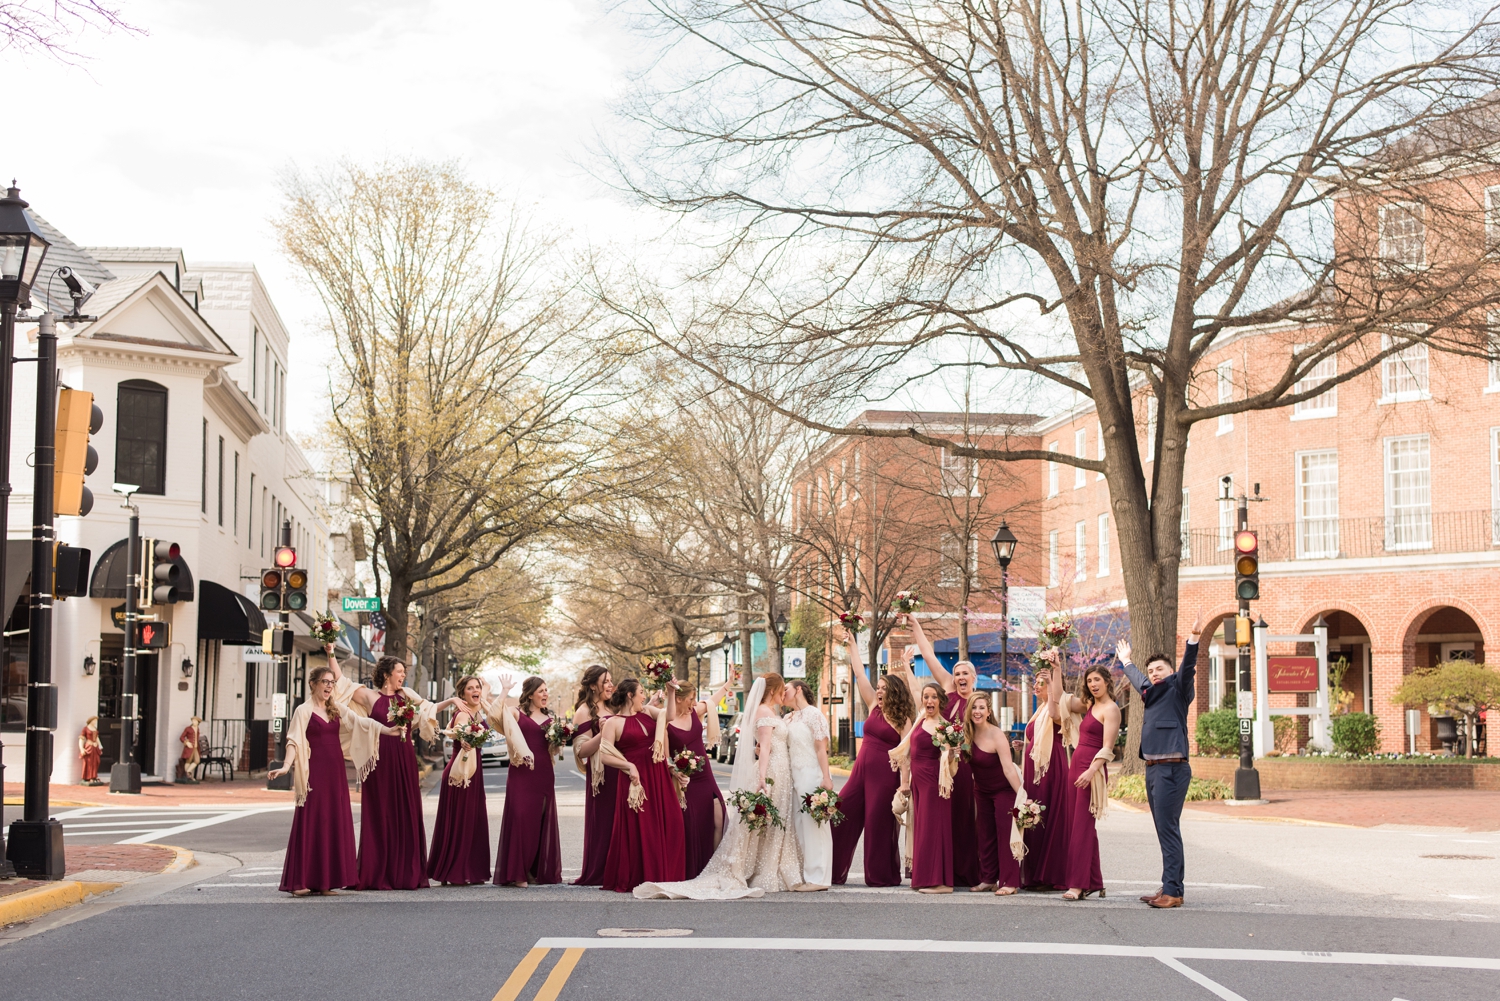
{"type": "Point", "coordinates": [1416, 534]}
{"type": "Point", "coordinates": [951, 571]}
{"type": "Point", "coordinates": [1080, 551]}
{"type": "Point", "coordinates": [960, 474]}
{"type": "Point", "coordinates": [1492, 384]}
{"type": "Point", "coordinates": [1317, 526]}
{"type": "Point", "coordinates": [1054, 570]}
{"type": "Point", "coordinates": [1099, 430]}
{"type": "Point", "coordinates": [1396, 249]}
{"type": "Point", "coordinates": [1052, 485]}
{"type": "Point", "coordinates": [1103, 545]}
{"type": "Point", "coordinates": [1226, 513]}
{"type": "Point", "coordinates": [1495, 485]}
{"type": "Point", "coordinates": [1080, 451]}
{"type": "Point", "coordinates": [1151, 427]}
{"type": "Point", "coordinates": [1406, 360]}
{"type": "Point", "coordinates": [1492, 216]}
{"type": "Point", "coordinates": [1325, 404]}
{"type": "Point", "coordinates": [1224, 378]}
{"type": "Point", "coordinates": [1185, 526]}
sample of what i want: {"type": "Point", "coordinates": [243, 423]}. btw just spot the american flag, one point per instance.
{"type": "Point", "coordinates": [377, 633]}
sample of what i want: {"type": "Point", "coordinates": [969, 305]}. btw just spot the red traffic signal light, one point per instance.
{"type": "Point", "coordinates": [1246, 541]}
{"type": "Point", "coordinates": [1246, 565]}
{"type": "Point", "coordinates": [285, 557]}
{"type": "Point", "coordinates": [152, 635]}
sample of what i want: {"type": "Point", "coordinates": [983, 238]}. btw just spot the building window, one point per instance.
{"type": "Point", "coordinates": [1150, 428]}
{"type": "Point", "coordinates": [1492, 216]}
{"type": "Point", "coordinates": [141, 436]}
{"type": "Point", "coordinates": [1493, 383]}
{"type": "Point", "coordinates": [1318, 505]}
{"type": "Point", "coordinates": [254, 362]}
{"type": "Point", "coordinates": [1184, 527]}
{"type": "Point", "coordinates": [1104, 545]}
{"type": "Point", "coordinates": [1224, 374]}
{"type": "Point", "coordinates": [1408, 493]}
{"type": "Point", "coordinates": [1404, 372]}
{"type": "Point", "coordinates": [1052, 472]}
{"type": "Point", "coordinates": [1495, 485]}
{"type": "Point", "coordinates": [1226, 512]}
{"type": "Point", "coordinates": [1325, 404]}
{"type": "Point", "coordinates": [1099, 430]}
{"type": "Point", "coordinates": [1403, 236]}
{"type": "Point", "coordinates": [959, 475]}
{"type": "Point", "coordinates": [1080, 550]}
{"type": "Point", "coordinates": [1081, 451]}
{"type": "Point", "coordinates": [14, 671]}
{"type": "Point", "coordinates": [203, 472]}
{"type": "Point", "coordinates": [1052, 559]}
{"type": "Point", "coordinates": [236, 486]}
{"type": "Point", "coordinates": [250, 514]}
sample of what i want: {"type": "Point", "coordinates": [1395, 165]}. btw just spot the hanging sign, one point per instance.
{"type": "Point", "coordinates": [794, 662]}
{"type": "Point", "coordinates": [1292, 674]}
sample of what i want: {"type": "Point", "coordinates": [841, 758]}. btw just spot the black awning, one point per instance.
{"type": "Point", "coordinates": [228, 616]}
{"type": "Point", "coordinates": [108, 580]}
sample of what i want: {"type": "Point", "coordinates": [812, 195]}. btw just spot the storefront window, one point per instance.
{"type": "Point", "coordinates": [13, 679]}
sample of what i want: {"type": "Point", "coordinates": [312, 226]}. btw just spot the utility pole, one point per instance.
{"type": "Point", "coordinates": [7, 363]}
{"type": "Point", "coordinates": [1247, 571]}
{"type": "Point", "coordinates": [125, 773]}
{"type": "Point", "coordinates": [280, 698]}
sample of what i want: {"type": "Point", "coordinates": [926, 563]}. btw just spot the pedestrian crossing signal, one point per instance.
{"type": "Point", "coordinates": [1246, 565]}
{"type": "Point", "coordinates": [151, 635]}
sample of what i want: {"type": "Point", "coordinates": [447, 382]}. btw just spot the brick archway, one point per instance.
{"type": "Point", "coordinates": [1425, 610]}
{"type": "Point", "coordinates": [1348, 608]}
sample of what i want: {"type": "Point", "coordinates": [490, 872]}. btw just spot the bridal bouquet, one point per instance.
{"type": "Point", "coordinates": [822, 805]}
{"type": "Point", "coordinates": [688, 762]}
{"type": "Point", "coordinates": [906, 601]}
{"type": "Point", "coordinates": [656, 675]}
{"type": "Point", "coordinates": [1056, 630]}
{"type": "Point", "coordinates": [402, 711]}
{"type": "Point", "coordinates": [1028, 815]}
{"type": "Point", "coordinates": [852, 621]}
{"type": "Point", "coordinates": [757, 812]}
{"type": "Point", "coordinates": [472, 733]}
{"type": "Point", "coordinates": [560, 732]}
{"type": "Point", "coordinates": [949, 733]}
{"type": "Point", "coordinates": [327, 628]}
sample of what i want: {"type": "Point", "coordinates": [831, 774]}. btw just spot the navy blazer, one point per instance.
{"type": "Point", "coordinates": [1164, 731]}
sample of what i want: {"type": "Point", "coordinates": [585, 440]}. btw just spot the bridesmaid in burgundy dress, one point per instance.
{"type": "Point", "coordinates": [1046, 845]}
{"type": "Point", "coordinates": [530, 848]}
{"type": "Point", "coordinates": [958, 689]}
{"type": "Point", "coordinates": [392, 835]}
{"type": "Point", "coordinates": [997, 781]}
{"type": "Point", "coordinates": [1087, 792]}
{"type": "Point", "coordinates": [646, 844]}
{"type": "Point", "coordinates": [872, 783]}
{"type": "Point", "coordinates": [460, 854]}
{"type": "Point", "coordinates": [589, 715]}
{"type": "Point", "coordinates": [931, 815]}
{"type": "Point", "coordinates": [703, 812]}
{"type": "Point", "coordinates": [320, 855]}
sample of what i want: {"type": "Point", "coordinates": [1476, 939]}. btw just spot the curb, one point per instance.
{"type": "Point", "coordinates": [182, 859]}
{"type": "Point", "coordinates": [32, 904]}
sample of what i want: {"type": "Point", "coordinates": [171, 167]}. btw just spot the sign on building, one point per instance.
{"type": "Point", "coordinates": [1027, 606]}
{"type": "Point", "coordinates": [1291, 674]}
{"type": "Point", "coordinates": [794, 662]}
{"type": "Point", "coordinates": [361, 604]}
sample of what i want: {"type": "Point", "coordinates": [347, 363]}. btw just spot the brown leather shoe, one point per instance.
{"type": "Point", "coordinates": [1150, 897]}
{"type": "Point", "coordinates": [1165, 901]}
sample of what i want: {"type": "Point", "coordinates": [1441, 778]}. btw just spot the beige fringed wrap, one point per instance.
{"type": "Point", "coordinates": [711, 731]}
{"type": "Point", "coordinates": [426, 718]}
{"type": "Point", "coordinates": [1099, 784]}
{"type": "Point", "coordinates": [1042, 736]}
{"type": "Point", "coordinates": [359, 736]}
{"type": "Point", "coordinates": [636, 798]}
{"type": "Point", "coordinates": [465, 762]}
{"type": "Point", "coordinates": [515, 740]}
{"type": "Point", "coordinates": [1017, 836]}
{"type": "Point", "coordinates": [947, 759]}
{"type": "Point", "coordinates": [901, 807]}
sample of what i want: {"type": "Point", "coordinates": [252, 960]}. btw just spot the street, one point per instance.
{"type": "Point", "coordinates": [1275, 910]}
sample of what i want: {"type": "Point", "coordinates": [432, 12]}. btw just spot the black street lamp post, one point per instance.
{"type": "Point", "coordinates": [1004, 545]}
{"type": "Point", "coordinates": [780, 626]}
{"type": "Point", "coordinates": [22, 250]}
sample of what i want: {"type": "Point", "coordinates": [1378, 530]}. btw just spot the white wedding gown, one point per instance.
{"type": "Point", "coordinates": [816, 840]}
{"type": "Point", "coordinates": [745, 864]}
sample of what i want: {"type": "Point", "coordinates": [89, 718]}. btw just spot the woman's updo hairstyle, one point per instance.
{"type": "Point", "coordinates": [624, 692]}
{"type": "Point", "coordinates": [384, 668]}
{"type": "Point", "coordinates": [775, 684]}
{"type": "Point", "coordinates": [805, 689]}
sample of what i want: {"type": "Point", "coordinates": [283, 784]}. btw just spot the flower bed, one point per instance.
{"type": "Point", "coordinates": [1330, 772]}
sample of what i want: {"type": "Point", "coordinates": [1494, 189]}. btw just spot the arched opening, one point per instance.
{"type": "Point", "coordinates": [1435, 636]}
{"type": "Point", "coordinates": [1348, 661]}
{"type": "Point", "coordinates": [1218, 665]}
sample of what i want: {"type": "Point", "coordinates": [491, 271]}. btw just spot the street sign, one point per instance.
{"type": "Point", "coordinates": [794, 662]}
{"type": "Point", "coordinates": [833, 700]}
{"type": "Point", "coordinates": [1027, 606]}
{"type": "Point", "coordinates": [1291, 674]}
{"type": "Point", "coordinates": [278, 705]}
{"type": "Point", "coordinates": [1244, 704]}
{"type": "Point", "coordinates": [361, 604]}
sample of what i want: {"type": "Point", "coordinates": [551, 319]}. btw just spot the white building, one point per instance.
{"type": "Point", "coordinates": [189, 368]}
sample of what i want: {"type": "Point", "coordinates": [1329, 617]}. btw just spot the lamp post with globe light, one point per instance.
{"type": "Point", "coordinates": [1003, 543]}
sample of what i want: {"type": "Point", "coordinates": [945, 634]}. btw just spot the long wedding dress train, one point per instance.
{"type": "Point", "coordinates": [815, 840]}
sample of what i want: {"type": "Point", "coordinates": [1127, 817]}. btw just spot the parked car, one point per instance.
{"type": "Point", "coordinates": [729, 733]}
{"type": "Point", "coordinates": [495, 751]}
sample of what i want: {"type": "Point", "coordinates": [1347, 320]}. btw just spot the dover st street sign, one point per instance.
{"type": "Point", "coordinates": [361, 604]}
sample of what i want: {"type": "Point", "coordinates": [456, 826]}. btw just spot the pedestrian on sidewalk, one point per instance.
{"type": "Point", "coordinates": [1164, 747]}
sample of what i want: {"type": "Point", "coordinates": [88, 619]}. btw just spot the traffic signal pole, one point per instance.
{"type": "Point", "coordinates": [125, 773]}
{"type": "Point", "coordinates": [1246, 778]}
{"type": "Point", "coordinates": [283, 665]}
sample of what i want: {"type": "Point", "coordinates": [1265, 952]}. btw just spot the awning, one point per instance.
{"type": "Point", "coordinates": [1095, 638]}
{"type": "Point", "coordinates": [228, 616]}
{"type": "Point", "coordinates": [17, 569]}
{"type": "Point", "coordinates": [108, 579]}
{"type": "Point", "coordinates": [354, 642]}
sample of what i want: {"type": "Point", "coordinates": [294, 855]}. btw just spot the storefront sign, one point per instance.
{"type": "Point", "coordinates": [1292, 674]}
{"type": "Point", "coordinates": [361, 604]}
{"type": "Point", "coordinates": [794, 662]}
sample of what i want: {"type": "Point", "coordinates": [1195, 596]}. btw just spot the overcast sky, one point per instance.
{"type": "Point", "coordinates": [178, 137]}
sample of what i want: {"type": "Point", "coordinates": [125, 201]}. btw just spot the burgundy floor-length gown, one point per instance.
{"type": "Point", "coordinates": [932, 817]}
{"type": "Point", "coordinates": [993, 800]}
{"type": "Point", "coordinates": [460, 852]}
{"type": "Point", "coordinates": [702, 795]}
{"type": "Point", "coordinates": [392, 836]}
{"type": "Point", "coordinates": [1081, 869]}
{"type": "Point", "coordinates": [530, 847]}
{"type": "Point", "coordinates": [965, 840]}
{"type": "Point", "coordinates": [598, 816]}
{"type": "Point", "coordinates": [1046, 845]}
{"type": "Point", "coordinates": [645, 845]}
{"type": "Point", "coordinates": [320, 853]}
{"type": "Point", "coordinates": [866, 803]}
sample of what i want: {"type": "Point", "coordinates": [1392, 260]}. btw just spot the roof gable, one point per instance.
{"type": "Point", "coordinates": [148, 309]}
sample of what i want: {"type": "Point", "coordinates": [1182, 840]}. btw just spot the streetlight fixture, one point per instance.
{"type": "Point", "coordinates": [728, 655]}
{"type": "Point", "coordinates": [1003, 543]}
{"type": "Point", "coordinates": [22, 250]}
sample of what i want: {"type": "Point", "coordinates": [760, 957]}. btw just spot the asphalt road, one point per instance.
{"type": "Point", "coordinates": [1275, 911]}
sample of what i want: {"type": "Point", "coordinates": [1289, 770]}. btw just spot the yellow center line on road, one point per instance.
{"type": "Point", "coordinates": [559, 975]}
{"type": "Point", "coordinates": [521, 975]}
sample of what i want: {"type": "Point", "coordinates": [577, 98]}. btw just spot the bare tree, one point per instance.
{"type": "Point", "coordinates": [49, 27]}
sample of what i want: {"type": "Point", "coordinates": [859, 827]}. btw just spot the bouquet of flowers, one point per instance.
{"type": "Point", "coordinates": [906, 601]}
{"type": "Point", "coordinates": [327, 628]}
{"type": "Point", "coordinates": [402, 711]}
{"type": "Point", "coordinates": [1056, 630]}
{"type": "Point", "coordinates": [822, 805]}
{"type": "Point", "coordinates": [1028, 815]}
{"type": "Point", "coordinates": [852, 621]}
{"type": "Point", "coordinates": [756, 810]}
{"type": "Point", "coordinates": [472, 733]}
{"type": "Point", "coordinates": [949, 733]}
{"type": "Point", "coordinates": [560, 732]}
{"type": "Point", "coordinates": [656, 675]}
{"type": "Point", "coordinates": [688, 762]}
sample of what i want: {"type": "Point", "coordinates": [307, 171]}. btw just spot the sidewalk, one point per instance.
{"type": "Point", "coordinates": [1463, 809]}
{"type": "Point", "coordinates": [92, 869]}
{"type": "Point", "coordinates": [245, 792]}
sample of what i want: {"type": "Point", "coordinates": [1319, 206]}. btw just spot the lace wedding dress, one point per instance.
{"type": "Point", "coordinates": [815, 840]}
{"type": "Point", "coordinates": [745, 864]}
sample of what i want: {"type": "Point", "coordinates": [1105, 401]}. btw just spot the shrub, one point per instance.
{"type": "Point", "coordinates": [1356, 733]}
{"type": "Point", "coordinates": [1219, 733]}
{"type": "Point", "coordinates": [1133, 789]}
{"type": "Point", "coordinates": [1285, 731]}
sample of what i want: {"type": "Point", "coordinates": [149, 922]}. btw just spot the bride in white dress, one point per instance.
{"type": "Point", "coordinates": [745, 864]}
{"type": "Point", "coordinates": [807, 740]}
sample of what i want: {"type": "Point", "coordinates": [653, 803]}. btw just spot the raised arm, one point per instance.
{"type": "Point", "coordinates": [1137, 679]}
{"type": "Point", "coordinates": [364, 696]}
{"type": "Point", "coordinates": [613, 727]}
{"type": "Point", "coordinates": [1189, 666]}
{"type": "Point", "coordinates": [1106, 752]}
{"type": "Point", "coordinates": [857, 662]}
{"type": "Point", "coordinates": [940, 674]}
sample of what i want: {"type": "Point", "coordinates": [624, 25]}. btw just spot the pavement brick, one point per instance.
{"type": "Point", "coordinates": [1464, 809]}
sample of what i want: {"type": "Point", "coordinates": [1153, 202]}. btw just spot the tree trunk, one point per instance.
{"type": "Point", "coordinates": [963, 614]}
{"type": "Point", "coordinates": [396, 612]}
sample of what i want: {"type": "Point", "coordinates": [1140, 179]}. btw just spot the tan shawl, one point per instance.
{"type": "Point", "coordinates": [1099, 784]}
{"type": "Point", "coordinates": [1042, 736]}
{"type": "Point", "coordinates": [636, 798]}
{"type": "Point", "coordinates": [947, 759]}
{"type": "Point", "coordinates": [465, 761]}
{"type": "Point", "coordinates": [515, 741]}
{"type": "Point", "coordinates": [358, 735]}
{"type": "Point", "coordinates": [426, 718]}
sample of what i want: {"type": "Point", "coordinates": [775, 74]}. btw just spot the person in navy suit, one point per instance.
{"type": "Point", "coordinates": [1167, 693]}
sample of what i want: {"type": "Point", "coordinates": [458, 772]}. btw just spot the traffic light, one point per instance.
{"type": "Point", "coordinates": [78, 416]}
{"type": "Point", "coordinates": [283, 588]}
{"type": "Point", "coordinates": [1246, 565]}
{"type": "Point", "coordinates": [159, 571]}
{"type": "Point", "coordinates": [285, 557]}
{"type": "Point", "coordinates": [152, 635]}
{"type": "Point", "coordinates": [70, 571]}
{"type": "Point", "coordinates": [276, 641]}
{"type": "Point", "coordinates": [296, 589]}
{"type": "Point", "coordinates": [270, 590]}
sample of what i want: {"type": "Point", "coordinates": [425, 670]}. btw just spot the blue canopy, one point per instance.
{"type": "Point", "coordinates": [1096, 636]}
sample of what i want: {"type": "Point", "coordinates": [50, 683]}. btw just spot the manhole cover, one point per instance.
{"type": "Point", "coordinates": [1465, 858]}
{"type": "Point", "coordinates": [644, 932]}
